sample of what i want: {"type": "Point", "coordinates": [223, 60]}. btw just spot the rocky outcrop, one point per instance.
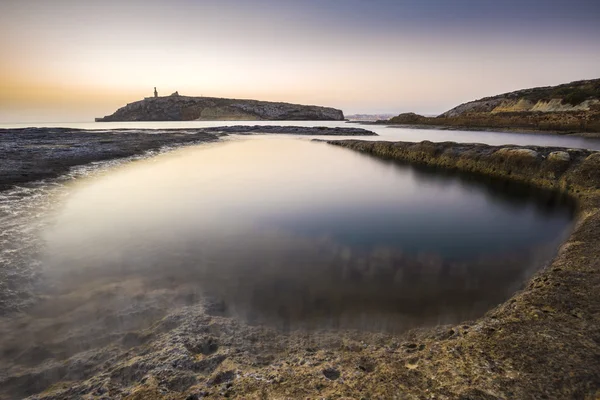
{"type": "Point", "coordinates": [408, 119]}
{"type": "Point", "coordinates": [574, 96]}
{"type": "Point", "coordinates": [185, 108]}
{"type": "Point", "coordinates": [32, 154]}
{"type": "Point", "coordinates": [572, 107]}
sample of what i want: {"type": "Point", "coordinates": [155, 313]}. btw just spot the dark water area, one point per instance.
{"type": "Point", "coordinates": [297, 234]}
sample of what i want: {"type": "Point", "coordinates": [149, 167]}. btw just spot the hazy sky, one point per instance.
{"type": "Point", "coordinates": [72, 60]}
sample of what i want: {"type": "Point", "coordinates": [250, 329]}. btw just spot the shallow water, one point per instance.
{"type": "Point", "coordinates": [300, 234]}
{"type": "Point", "coordinates": [391, 133]}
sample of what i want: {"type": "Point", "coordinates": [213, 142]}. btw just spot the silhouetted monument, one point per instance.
{"type": "Point", "coordinates": [155, 92]}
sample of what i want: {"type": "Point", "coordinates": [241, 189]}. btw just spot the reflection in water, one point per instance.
{"type": "Point", "coordinates": [302, 235]}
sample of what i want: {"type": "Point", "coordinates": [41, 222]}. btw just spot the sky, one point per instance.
{"type": "Point", "coordinates": [73, 60]}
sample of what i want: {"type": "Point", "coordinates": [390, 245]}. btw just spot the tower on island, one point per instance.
{"type": "Point", "coordinates": [155, 92]}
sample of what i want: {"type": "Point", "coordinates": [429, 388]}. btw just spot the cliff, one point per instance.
{"type": "Point", "coordinates": [185, 108]}
{"type": "Point", "coordinates": [571, 107]}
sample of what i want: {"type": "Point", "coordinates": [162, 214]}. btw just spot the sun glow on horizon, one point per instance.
{"type": "Point", "coordinates": [81, 60]}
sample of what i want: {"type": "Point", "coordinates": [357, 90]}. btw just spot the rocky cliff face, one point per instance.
{"type": "Point", "coordinates": [184, 108]}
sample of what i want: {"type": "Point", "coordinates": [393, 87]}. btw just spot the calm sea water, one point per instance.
{"type": "Point", "coordinates": [385, 133]}
{"type": "Point", "coordinates": [303, 234]}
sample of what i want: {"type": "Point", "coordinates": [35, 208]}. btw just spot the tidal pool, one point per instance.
{"type": "Point", "coordinates": [299, 234]}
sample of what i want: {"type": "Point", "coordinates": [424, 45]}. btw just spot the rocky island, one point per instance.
{"type": "Point", "coordinates": [567, 108]}
{"type": "Point", "coordinates": [186, 108]}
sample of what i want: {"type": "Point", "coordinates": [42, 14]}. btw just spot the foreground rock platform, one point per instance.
{"type": "Point", "coordinates": [544, 342]}
{"type": "Point", "coordinates": [32, 154]}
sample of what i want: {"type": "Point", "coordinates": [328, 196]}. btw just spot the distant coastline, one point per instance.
{"type": "Point", "coordinates": [572, 108]}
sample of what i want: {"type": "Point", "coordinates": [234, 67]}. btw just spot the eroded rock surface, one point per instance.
{"type": "Point", "coordinates": [40, 153]}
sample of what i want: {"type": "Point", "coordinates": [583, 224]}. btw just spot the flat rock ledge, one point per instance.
{"type": "Point", "coordinates": [544, 342]}
{"type": "Point", "coordinates": [290, 130]}
{"type": "Point", "coordinates": [32, 154]}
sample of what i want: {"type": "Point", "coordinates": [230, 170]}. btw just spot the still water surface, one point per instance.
{"type": "Point", "coordinates": [302, 234]}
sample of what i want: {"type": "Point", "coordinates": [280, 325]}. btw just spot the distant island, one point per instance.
{"type": "Point", "coordinates": [567, 108]}
{"type": "Point", "coordinates": [184, 108]}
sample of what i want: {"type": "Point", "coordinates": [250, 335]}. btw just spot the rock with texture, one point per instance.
{"type": "Point", "coordinates": [523, 153]}
{"type": "Point", "coordinates": [560, 156]}
{"type": "Point", "coordinates": [574, 96]}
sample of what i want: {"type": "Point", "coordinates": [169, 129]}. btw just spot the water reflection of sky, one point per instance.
{"type": "Point", "coordinates": [272, 226]}
{"type": "Point", "coordinates": [315, 190]}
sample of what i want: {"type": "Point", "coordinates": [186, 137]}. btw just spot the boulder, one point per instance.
{"type": "Point", "coordinates": [559, 156]}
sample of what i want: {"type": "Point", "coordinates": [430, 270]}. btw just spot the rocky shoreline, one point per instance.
{"type": "Point", "coordinates": [541, 343]}
{"type": "Point", "coordinates": [572, 108]}
{"type": "Point", "coordinates": [32, 154]}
